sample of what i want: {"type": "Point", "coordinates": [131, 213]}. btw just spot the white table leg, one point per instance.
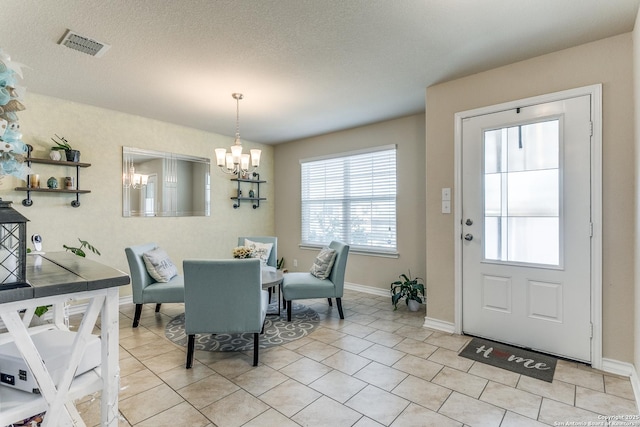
{"type": "Point", "coordinates": [110, 360]}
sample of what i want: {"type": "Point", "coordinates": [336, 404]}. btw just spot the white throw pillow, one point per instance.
{"type": "Point", "coordinates": [323, 263]}
{"type": "Point", "coordinates": [159, 265]}
{"type": "Point", "coordinates": [260, 250]}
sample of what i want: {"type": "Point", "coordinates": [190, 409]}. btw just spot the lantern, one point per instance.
{"type": "Point", "coordinates": [13, 247]}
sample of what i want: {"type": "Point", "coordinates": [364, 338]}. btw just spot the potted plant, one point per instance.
{"type": "Point", "coordinates": [62, 144]}
{"type": "Point", "coordinates": [40, 310]}
{"type": "Point", "coordinates": [411, 289]}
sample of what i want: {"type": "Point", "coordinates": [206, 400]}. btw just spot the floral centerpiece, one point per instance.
{"type": "Point", "coordinates": [242, 252]}
{"type": "Point", "coordinates": [13, 151]}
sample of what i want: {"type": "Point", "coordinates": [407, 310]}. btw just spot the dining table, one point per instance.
{"type": "Point", "coordinates": [272, 279]}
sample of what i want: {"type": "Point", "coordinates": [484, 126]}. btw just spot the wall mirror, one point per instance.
{"type": "Point", "coordinates": [156, 183]}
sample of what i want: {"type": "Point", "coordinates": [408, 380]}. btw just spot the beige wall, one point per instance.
{"type": "Point", "coordinates": [376, 272]}
{"type": "Point", "coordinates": [636, 181]}
{"type": "Point", "coordinates": [100, 135]}
{"type": "Point", "coordinates": [607, 61]}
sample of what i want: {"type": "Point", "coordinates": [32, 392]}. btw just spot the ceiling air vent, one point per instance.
{"type": "Point", "coordinates": [84, 44]}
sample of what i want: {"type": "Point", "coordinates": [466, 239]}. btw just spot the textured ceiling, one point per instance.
{"type": "Point", "coordinates": [305, 67]}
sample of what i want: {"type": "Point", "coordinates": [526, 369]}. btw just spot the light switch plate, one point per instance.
{"type": "Point", "coordinates": [446, 194]}
{"type": "Point", "coordinates": [446, 207]}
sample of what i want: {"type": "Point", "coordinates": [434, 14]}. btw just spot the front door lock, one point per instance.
{"type": "Point", "coordinates": [468, 237]}
{"type": "Point", "coordinates": [469, 221]}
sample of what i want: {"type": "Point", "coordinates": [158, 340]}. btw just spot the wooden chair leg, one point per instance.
{"type": "Point", "coordinates": [158, 308]}
{"type": "Point", "coordinates": [289, 304]}
{"type": "Point", "coordinates": [190, 349]}
{"type": "Point", "coordinates": [256, 347]}
{"type": "Point", "coordinates": [136, 316]}
{"type": "Point", "coordinates": [330, 303]}
{"type": "Point", "coordinates": [339, 304]}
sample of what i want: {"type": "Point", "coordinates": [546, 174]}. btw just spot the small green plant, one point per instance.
{"type": "Point", "coordinates": [407, 288]}
{"type": "Point", "coordinates": [79, 250]}
{"type": "Point", "coordinates": [40, 310]}
{"type": "Point", "coordinates": [61, 143]}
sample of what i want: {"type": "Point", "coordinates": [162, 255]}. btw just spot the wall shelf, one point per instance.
{"type": "Point", "coordinates": [256, 199]}
{"type": "Point", "coordinates": [75, 203]}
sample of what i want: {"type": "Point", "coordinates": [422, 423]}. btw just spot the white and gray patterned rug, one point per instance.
{"type": "Point", "coordinates": [277, 331]}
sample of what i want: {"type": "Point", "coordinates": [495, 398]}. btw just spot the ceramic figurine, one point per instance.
{"type": "Point", "coordinates": [52, 182]}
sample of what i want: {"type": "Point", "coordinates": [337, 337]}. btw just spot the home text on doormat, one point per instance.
{"type": "Point", "coordinates": [513, 359]}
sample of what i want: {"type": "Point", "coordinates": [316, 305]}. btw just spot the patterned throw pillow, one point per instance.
{"type": "Point", "coordinates": [321, 267]}
{"type": "Point", "coordinates": [259, 250]}
{"type": "Point", "coordinates": [159, 265]}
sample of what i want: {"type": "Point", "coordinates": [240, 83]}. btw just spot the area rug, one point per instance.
{"type": "Point", "coordinates": [277, 331]}
{"type": "Point", "coordinates": [518, 360]}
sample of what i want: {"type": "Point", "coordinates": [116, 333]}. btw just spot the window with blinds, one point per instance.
{"type": "Point", "coordinates": [351, 198]}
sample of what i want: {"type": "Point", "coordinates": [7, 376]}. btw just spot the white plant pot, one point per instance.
{"type": "Point", "coordinates": [414, 305]}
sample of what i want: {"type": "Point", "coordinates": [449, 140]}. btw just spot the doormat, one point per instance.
{"type": "Point", "coordinates": [514, 359]}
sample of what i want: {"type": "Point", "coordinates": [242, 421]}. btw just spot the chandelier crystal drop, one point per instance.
{"type": "Point", "coordinates": [235, 162]}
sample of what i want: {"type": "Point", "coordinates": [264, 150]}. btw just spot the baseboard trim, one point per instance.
{"type": "Point", "coordinates": [368, 290]}
{"type": "Point", "coordinates": [439, 325]}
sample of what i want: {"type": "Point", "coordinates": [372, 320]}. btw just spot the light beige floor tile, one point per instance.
{"type": "Point", "coordinates": [557, 390]}
{"type": "Point", "coordinates": [382, 354]}
{"type": "Point", "coordinates": [295, 344]}
{"type": "Point", "coordinates": [422, 392]}
{"type": "Point", "coordinates": [338, 386]}
{"type": "Point", "coordinates": [208, 390]}
{"type": "Point", "coordinates": [358, 330]}
{"type": "Point", "coordinates": [450, 342]}
{"type": "Point", "coordinates": [451, 358]}
{"type": "Point", "coordinates": [362, 319]}
{"type": "Point", "coordinates": [460, 381]}
{"type": "Point", "coordinates": [471, 411]}
{"type": "Point", "coordinates": [326, 412]}
{"type": "Point", "coordinates": [305, 370]}
{"type": "Point", "coordinates": [231, 367]}
{"type": "Point", "coordinates": [377, 404]}
{"type": "Point", "coordinates": [415, 348]}
{"type": "Point", "coordinates": [352, 343]}
{"type": "Point", "coordinates": [270, 418]}
{"type": "Point", "coordinates": [381, 375]}
{"type": "Point", "coordinates": [620, 387]}
{"type": "Point", "coordinates": [518, 401]}
{"type": "Point", "coordinates": [515, 420]}
{"type": "Point", "coordinates": [149, 403]}
{"type": "Point", "coordinates": [290, 397]}
{"type": "Point", "coordinates": [138, 382]}
{"type": "Point", "coordinates": [414, 332]}
{"type": "Point", "coordinates": [259, 380]}
{"type": "Point", "coordinates": [346, 362]}
{"type": "Point", "coordinates": [235, 409]}
{"type": "Point", "coordinates": [385, 325]}
{"type": "Point", "coordinates": [278, 357]}
{"type": "Point", "coordinates": [130, 366]}
{"type": "Point", "coordinates": [415, 415]}
{"type": "Point", "coordinates": [317, 350]}
{"type": "Point", "coordinates": [418, 367]}
{"type": "Point", "coordinates": [385, 338]}
{"type": "Point", "coordinates": [183, 413]}
{"type": "Point", "coordinates": [367, 422]}
{"type": "Point", "coordinates": [604, 404]}
{"type": "Point", "coordinates": [166, 361]}
{"type": "Point", "coordinates": [552, 411]}
{"type": "Point", "coordinates": [581, 377]}
{"type": "Point", "coordinates": [494, 374]}
{"type": "Point", "coordinates": [326, 335]}
{"type": "Point", "coordinates": [364, 309]}
{"type": "Point", "coordinates": [179, 377]}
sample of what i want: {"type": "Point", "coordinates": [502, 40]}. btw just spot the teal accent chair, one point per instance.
{"type": "Point", "coordinates": [307, 286]}
{"type": "Point", "coordinates": [145, 288]}
{"type": "Point", "coordinates": [273, 257]}
{"type": "Point", "coordinates": [223, 297]}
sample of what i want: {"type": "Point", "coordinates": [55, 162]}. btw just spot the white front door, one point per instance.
{"type": "Point", "coordinates": [526, 227]}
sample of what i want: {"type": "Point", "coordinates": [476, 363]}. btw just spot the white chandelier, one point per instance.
{"type": "Point", "coordinates": [131, 179]}
{"type": "Point", "coordinates": [235, 162]}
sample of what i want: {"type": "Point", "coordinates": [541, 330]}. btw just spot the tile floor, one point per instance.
{"type": "Point", "coordinates": [375, 368]}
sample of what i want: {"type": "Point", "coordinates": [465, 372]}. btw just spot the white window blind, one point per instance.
{"type": "Point", "coordinates": [351, 198]}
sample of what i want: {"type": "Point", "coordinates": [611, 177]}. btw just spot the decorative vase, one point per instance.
{"type": "Point", "coordinates": [72, 155]}
{"type": "Point", "coordinates": [413, 305]}
{"type": "Point", "coordinates": [55, 155]}
{"type": "Point", "coordinates": [52, 182]}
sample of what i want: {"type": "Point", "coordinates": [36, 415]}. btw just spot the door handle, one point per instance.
{"type": "Point", "coordinates": [468, 237]}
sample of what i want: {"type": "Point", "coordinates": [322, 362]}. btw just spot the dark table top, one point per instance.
{"type": "Point", "coordinates": [57, 273]}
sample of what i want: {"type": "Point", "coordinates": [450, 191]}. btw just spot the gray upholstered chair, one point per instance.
{"type": "Point", "coordinates": [273, 257]}
{"type": "Point", "coordinates": [223, 297]}
{"type": "Point", "coordinates": [145, 288]}
{"type": "Point", "coordinates": [305, 285]}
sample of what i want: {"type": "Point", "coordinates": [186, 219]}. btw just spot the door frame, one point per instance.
{"type": "Point", "coordinates": [595, 91]}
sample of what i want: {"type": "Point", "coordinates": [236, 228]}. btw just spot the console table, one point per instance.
{"type": "Point", "coordinates": [56, 278]}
